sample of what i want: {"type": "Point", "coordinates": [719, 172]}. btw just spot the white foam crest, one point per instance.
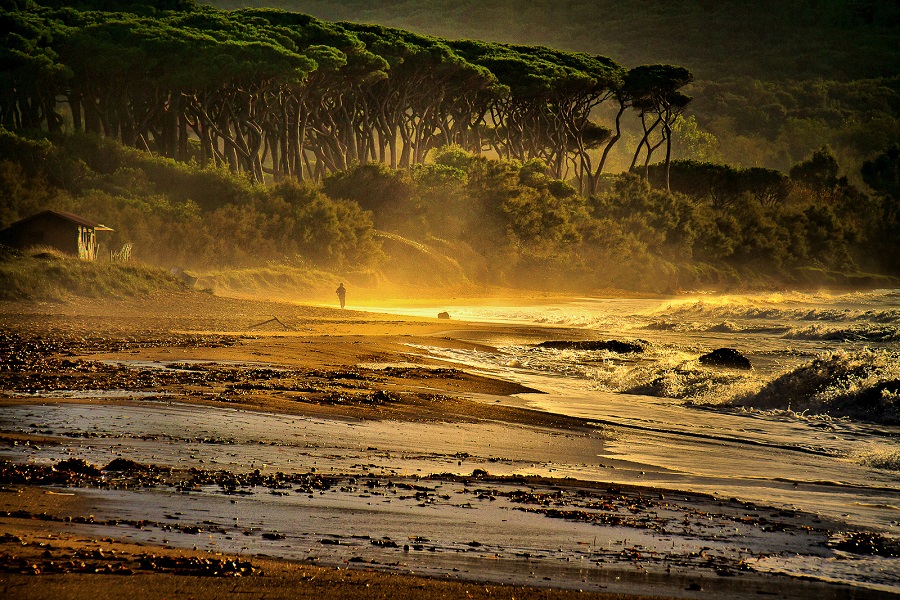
{"type": "Point", "coordinates": [857, 333]}
{"type": "Point", "coordinates": [793, 306]}
{"type": "Point", "coordinates": [677, 325]}
{"type": "Point", "coordinates": [879, 456]}
{"type": "Point", "coordinates": [594, 366]}
{"type": "Point", "coordinates": [559, 316]}
{"type": "Point", "coordinates": [862, 384]}
{"type": "Point", "coordinates": [685, 383]}
{"type": "Point", "coordinates": [818, 419]}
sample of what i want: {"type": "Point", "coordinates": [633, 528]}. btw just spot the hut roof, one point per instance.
{"type": "Point", "coordinates": [67, 216]}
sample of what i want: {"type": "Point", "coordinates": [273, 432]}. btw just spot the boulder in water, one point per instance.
{"type": "Point", "coordinates": [443, 315]}
{"type": "Point", "coordinates": [726, 357]}
{"type": "Point", "coordinates": [610, 345]}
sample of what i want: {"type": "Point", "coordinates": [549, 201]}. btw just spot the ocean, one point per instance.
{"type": "Point", "coordinates": [814, 424]}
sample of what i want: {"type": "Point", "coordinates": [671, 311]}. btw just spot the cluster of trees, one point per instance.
{"type": "Point", "coordinates": [719, 224]}
{"type": "Point", "coordinates": [830, 39]}
{"type": "Point", "coordinates": [264, 91]}
{"type": "Point", "coordinates": [774, 80]}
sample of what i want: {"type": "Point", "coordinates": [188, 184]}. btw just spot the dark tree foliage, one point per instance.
{"type": "Point", "coordinates": [723, 185]}
{"type": "Point", "coordinates": [882, 173]}
{"type": "Point", "coordinates": [819, 173]}
{"type": "Point", "coordinates": [546, 103]}
{"type": "Point", "coordinates": [775, 80]}
{"type": "Point", "coordinates": [654, 93]}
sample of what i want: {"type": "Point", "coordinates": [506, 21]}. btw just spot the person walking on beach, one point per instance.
{"type": "Point", "coordinates": [342, 294]}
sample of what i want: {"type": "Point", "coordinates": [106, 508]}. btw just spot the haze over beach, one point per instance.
{"type": "Point", "coordinates": [342, 299]}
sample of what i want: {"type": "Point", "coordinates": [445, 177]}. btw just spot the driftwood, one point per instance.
{"type": "Point", "coordinates": [273, 319]}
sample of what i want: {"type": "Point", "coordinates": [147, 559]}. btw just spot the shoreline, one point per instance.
{"type": "Point", "coordinates": [198, 349]}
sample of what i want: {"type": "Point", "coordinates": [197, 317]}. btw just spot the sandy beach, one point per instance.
{"type": "Point", "coordinates": [203, 446]}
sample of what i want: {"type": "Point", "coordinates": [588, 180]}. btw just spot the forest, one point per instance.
{"type": "Point", "coordinates": [216, 138]}
{"type": "Point", "coordinates": [774, 80]}
{"type": "Point", "coordinates": [269, 92]}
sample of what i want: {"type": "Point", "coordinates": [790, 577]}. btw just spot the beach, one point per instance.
{"type": "Point", "coordinates": [280, 449]}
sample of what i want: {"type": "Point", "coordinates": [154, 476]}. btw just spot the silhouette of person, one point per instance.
{"type": "Point", "coordinates": [342, 294]}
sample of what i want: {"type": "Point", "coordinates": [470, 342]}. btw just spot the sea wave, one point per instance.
{"type": "Point", "coordinates": [669, 325]}
{"type": "Point", "coordinates": [858, 333]}
{"type": "Point", "coordinates": [683, 382]}
{"type": "Point", "coordinates": [796, 308]}
{"type": "Point", "coordinates": [730, 327]}
{"type": "Point", "coordinates": [556, 316]}
{"type": "Point", "coordinates": [661, 370]}
{"type": "Point", "coordinates": [880, 458]}
{"type": "Point", "coordinates": [705, 310]}
{"type": "Point", "coordinates": [862, 385]}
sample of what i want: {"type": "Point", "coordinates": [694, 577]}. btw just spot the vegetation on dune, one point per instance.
{"type": "Point", "coordinates": [181, 214]}
{"type": "Point", "coordinates": [270, 281]}
{"type": "Point", "coordinates": [470, 217]}
{"type": "Point", "coordinates": [47, 275]}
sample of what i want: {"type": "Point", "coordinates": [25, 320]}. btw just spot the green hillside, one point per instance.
{"type": "Point", "coordinates": [768, 39]}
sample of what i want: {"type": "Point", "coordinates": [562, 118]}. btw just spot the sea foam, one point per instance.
{"type": "Point", "coordinates": [863, 385]}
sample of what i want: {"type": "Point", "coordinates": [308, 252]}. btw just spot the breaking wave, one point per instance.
{"type": "Point", "coordinates": [683, 382]}
{"type": "Point", "coordinates": [859, 333]}
{"type": "Point", "coordinates": [882, 458]}
{"type": "Point", "coordinates": [730, 327]}
{"type": "Point", "coordinates": [719, 327]}
{"type": "Point", "coordinates": [862, 385]}
{"type": "Point", "coordinates": [862, 332]}
{"type": "Point", "coordinates": [661, 371]}
{"type": "Point", "coordinates": [794, 307]}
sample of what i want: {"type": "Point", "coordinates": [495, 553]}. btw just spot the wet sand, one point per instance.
{"type": "Point", "coordinates": [41, 561]}
{"type": "Point", "coordinates": [346, 374]}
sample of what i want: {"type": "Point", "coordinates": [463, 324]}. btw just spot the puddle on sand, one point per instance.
{"type": "Point", "coordinates": [183, 436]}
{"type": "Point", "coordinates": [446, 528]}
{"type": "Point", "coordinates": [77, 394]}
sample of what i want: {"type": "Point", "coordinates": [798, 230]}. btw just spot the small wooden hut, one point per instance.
{"type": "Point", "coordinates": [64, 231]}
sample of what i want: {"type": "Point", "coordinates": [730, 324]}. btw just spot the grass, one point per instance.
{"type": "Point", "coordinates": [854, 280]}
{"type": "Point", "coordinates": [43, 274]}
{"type": "Point", "coordinates": [276, 282]}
